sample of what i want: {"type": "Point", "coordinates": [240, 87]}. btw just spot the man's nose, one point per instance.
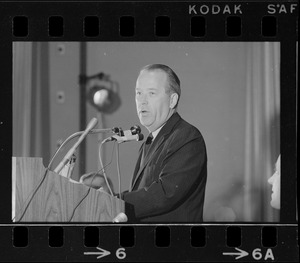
{"type": "Point", "coordinates": [143, 99]}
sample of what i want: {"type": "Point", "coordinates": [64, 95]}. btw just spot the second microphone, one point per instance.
{"type": "Point", "coordinates": [134, 134]}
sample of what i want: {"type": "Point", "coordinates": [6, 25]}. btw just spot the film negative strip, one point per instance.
{"type": "Point", "coordinates": [225, 199]}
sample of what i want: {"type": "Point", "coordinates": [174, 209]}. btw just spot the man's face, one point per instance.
{"type": "Point", "coordinates": [274, 180]}
{"type": "Point", "coordinates": [153, 104]}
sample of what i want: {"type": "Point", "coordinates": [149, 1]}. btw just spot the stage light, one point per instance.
{"type": "Point", "coordinates": [103, 94]}
{"type": "Point", "coordinates": [101, 97]}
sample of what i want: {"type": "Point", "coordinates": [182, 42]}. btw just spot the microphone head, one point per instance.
{"type": "Point", "coordinates": [118, 131]}
{"type": "Point", "coordinates": [135, 129]}
{"type": "Point", "coordinates": [92, 124]}
{"type": "Point", "coordinates": [140, 137]}
{"type": "Point", "coordinates": [121, 132]}
{"type": "Point", "coordinates": [115, 130]}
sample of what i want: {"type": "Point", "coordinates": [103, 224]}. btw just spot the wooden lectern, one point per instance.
{"type": "Point", "coordinates": [57, 196]}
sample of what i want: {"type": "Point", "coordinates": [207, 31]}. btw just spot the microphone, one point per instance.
{"type": "Point", "coordinates": [69, 154]}
{"type": "Point", "coordinates": [134, 134]}
{"type": "Point", "coordinates": [121, 217]}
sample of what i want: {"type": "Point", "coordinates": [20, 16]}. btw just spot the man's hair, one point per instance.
{"type": "Point", "coordinates": [173, 80]}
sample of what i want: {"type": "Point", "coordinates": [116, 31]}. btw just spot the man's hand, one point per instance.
{"type": "Point", "coordinates": [94, 180]}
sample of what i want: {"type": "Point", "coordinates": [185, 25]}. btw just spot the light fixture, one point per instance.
{"type": "Point", "coordinates": [102, 93]}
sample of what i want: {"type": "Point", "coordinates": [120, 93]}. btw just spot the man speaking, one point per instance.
{"type": "Point", "coordinates": [168, 183]}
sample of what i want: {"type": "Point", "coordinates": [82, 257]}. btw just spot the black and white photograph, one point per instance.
{"type": "Point", "coordinates": [149, 131]}
{"type": "Point", "coordinates": [146, 132]}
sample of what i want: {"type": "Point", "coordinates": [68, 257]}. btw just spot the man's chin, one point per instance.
{"type": "Point", "coordinates": [145, 122]}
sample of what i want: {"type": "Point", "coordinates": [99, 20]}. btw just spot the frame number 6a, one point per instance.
{"type": "Point", "coordinates": [257, 254]}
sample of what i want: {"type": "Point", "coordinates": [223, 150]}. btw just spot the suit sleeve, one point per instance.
{"type": "Point", "coordinates": [181, 169]}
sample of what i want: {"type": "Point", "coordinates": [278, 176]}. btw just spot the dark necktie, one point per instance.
{"type": "Point", "coordinates": [146, 148]}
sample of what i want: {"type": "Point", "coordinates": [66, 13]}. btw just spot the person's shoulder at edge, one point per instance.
{"type": "Point", "coordinates": [186, 130]}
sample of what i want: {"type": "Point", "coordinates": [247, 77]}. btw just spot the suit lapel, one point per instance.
{"type": "Point", "coordinates": [161, 137]}
{"type": "Point", "coordinates": [137, 166]}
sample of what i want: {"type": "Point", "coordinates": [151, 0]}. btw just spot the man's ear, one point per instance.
{"type": "Point", "coordinates": [173, 100]}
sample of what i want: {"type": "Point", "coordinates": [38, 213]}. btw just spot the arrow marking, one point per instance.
{"type": "Point", "coordinates": [102, 253]}
{"type": "Point", "coordinates": [239, 254]}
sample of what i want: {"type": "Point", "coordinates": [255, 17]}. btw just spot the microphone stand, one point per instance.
{"type": "Point", "coordinates": [74, 135]}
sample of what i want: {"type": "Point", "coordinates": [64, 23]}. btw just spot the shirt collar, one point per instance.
{"type": "Point", "coordinates": [154, 133]}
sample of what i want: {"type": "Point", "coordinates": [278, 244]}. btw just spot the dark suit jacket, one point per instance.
{"type": "Point", "coordinates": [170, 186]}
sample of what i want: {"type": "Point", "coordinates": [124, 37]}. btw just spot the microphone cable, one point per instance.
{"type": "Point", "coordinates": [34, 191]}
{"type": "Point", "coordinates": [118, 169]}
{"type": "Point", "coordinates": [88, 191]}
{"type": "Point", "coordinates": [104, 173]}
{"type": "Point", "coordinates": [85, 196]}
{"type": "Point", "coordinates": [103, 170]}
{"type": "Point", "coordinates": [76, 134]}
